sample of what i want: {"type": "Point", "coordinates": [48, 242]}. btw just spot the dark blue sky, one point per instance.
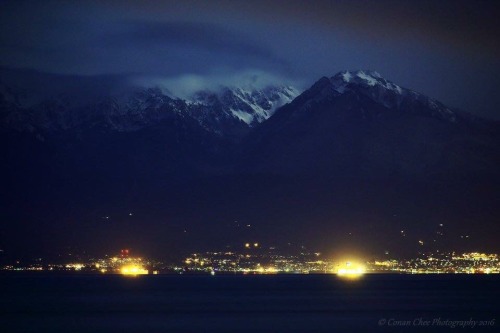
{"type": "Point", "coordinates": [449, 50]}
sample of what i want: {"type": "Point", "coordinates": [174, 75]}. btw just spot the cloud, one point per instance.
{"type": "Point", "coordinates": [184, 86]}
{"type": "Point", "coordinates": [90, 45]}
{"type": "Point", "coordinates": [200, 35]}
{"type": "Point", "coordinates": [429, 46]}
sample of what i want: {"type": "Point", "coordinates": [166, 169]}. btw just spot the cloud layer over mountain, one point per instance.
{"type": "Point", "coordinates": [447, 49]}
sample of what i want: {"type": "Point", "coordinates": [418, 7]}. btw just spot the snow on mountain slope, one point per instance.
{"type": "Point", "coordinates": [373, 86]}
{"type": "Point", "coordinates": [229, 111]}
{"type": "Point", "coordinates": [387, 93]}
{"type": "Point", "coordinates": [359, 124]}
{"type": "Point", "coordinates": [249, 106]}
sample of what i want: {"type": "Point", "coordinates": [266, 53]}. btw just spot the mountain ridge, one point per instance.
{"type": "Point", "coordinates": [327, 159]}
{"type": "Point", "coordinates": [358, 114]}
{"type": "Point", "coordinates": [362, 117]}
{"type": "Point", "coordinates": [226, 110]}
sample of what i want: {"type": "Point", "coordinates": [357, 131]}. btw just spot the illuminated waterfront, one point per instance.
{"type": "Point", "coordinates": [271, 262]}
{"type": "Point", "coordinates": [444, 263]}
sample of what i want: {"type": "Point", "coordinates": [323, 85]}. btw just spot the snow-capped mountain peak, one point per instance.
{"type": "Point", "coordinates": [224, 111]}
{"type": "Point", "coordinates": [363, 78]}
{"type": "Point", "coordinates": [373, 86]}
{"type": "Point", "coordinates": [250, 106]}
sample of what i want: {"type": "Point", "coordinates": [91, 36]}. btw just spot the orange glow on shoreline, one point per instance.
{"type": "Point", "coordinates": [350, 270]}
{"type": "Point", "coordinates": [133, 270]}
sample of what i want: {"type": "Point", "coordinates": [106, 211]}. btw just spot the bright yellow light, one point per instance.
{"type": "Point", "coordinates": [133, 270]}
{"type": "Point", "coordinates": [271, 270]}
{"type": "Point", "coordinates": [350, 270]}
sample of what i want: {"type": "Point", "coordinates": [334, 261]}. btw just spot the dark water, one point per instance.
{"type": "Point", "coordinates": [257, 303]}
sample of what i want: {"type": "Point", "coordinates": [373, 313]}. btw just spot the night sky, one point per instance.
{"type": "Point", "coordinates": [448, 50]}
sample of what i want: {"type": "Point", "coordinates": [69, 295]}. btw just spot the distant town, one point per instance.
{"type": "Point", "coordinates": [267, 261]}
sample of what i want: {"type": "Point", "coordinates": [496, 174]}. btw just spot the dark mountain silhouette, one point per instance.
{"type": "Point", "coordinates": [348, 163]}
{"type": "Point", "coordinates": [359, 124]}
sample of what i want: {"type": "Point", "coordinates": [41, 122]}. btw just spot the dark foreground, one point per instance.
{"type": "Point", "coordinates": [257, 303]}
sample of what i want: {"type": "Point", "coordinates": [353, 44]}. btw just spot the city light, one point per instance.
{"type": "Point", "coordinates": [133, 270]}
{"type": "Point", "coordinates": [269, 261]}
{"type": "Point", "coordinates": [76, 267]}
{"type": "Point", "coordinates": [350, 270]}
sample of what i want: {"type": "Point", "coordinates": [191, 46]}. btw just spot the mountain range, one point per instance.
{"type": "Point", "coordinates": [353, 154]}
